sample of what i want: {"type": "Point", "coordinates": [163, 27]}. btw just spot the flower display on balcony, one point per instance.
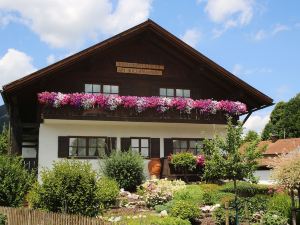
{"type": "Point", "coordinates": [140, 104]}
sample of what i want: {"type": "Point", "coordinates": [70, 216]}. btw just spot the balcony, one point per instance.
{"type": "Point", "coordinates": [79, 106]}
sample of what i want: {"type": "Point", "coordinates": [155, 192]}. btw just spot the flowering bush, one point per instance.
{"type": "Point", "coordinates": [186, 161]}
{"type": "Point", "coordinates": [158, 192]}
{"type": "Point", "coordinates": [140, 104]}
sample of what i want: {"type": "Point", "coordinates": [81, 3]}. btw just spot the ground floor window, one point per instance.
{"type": "Point", "coordinates": [187, 145]}
{"type": "Point", "coordinates": [87, 146]}
{"type": "Point", "coordinates": [141, 145]}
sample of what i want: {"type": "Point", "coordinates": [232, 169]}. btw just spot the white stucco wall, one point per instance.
{"type": "Point", "coordinates": [264, 176]}
{"type": "Point", "coordinates": [51, 129]}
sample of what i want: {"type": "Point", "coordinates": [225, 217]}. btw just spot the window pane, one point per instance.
{"type": "Point", "coordinates": [177, 150]}
{"type": "Point", "coordinates": [176, 143]}
{"type": "Point", "coordinates": [96, 88]}
{"type": "Point", "coordinates": [88, 88]}
{"type": "Point", "coordinates": [186, 93]}
{"type": "Point", "coordinates": [81, 142]}
{"type": "Point", "coordinates": [101, 152]}
{"type": "Point", "coordinates": [193, 144]}
{"type": "Point", "coordinates": [145, 143]}
{"type": "Point", "coordinates": [163, 92]}
{"type": "Point", "coordinates": [81, 151]}
{"type": "Point", "coordinates": [101, 143]}
{"type": "Point", "coordinates": [145, 152]}
{"type": "Point", "coordinates": [135, 143]}
{"type": "Point", "coordinates": [92, 151]}
{"type": "Point", "coordinates": [106, 89]}
{"type": "Point", "coordinates": [73, 142]}
{"type": "Point", "coordinates": [179, 92]}
{"type": "Point", "coordinates": [72, 151]}
{"type": "Point", "coordinates": [92, 142]}
{"type": "Point", "coordinates": [114, 89]}
{"type": "Point", "coordinates": [183, 145]}
{"type": "Point", "coordinates": [135, 150]}
{"type": "Point", "coordinates": [170, 92]}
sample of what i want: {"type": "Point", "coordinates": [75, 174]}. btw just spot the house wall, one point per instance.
{"type": "Point", "coordinates": [51, 129]}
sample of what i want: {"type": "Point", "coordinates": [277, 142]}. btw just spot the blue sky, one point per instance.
{"type": "Point", "coordinates": [256, 40]}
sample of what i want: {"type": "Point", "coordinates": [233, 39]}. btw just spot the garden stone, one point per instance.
{"type": "Point", "coordinates": [163, 213]}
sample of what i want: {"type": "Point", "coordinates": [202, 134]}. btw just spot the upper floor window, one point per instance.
{"type": "Point", "coordinates": [92, 88]}
{"type": "Point", "coordinates": [171, 92]}
{"type": "Point", "coordinates": [187, 145]}
{"type": "Point", "coordinates": [87, 146]}
{"type": "Point", "coordinates": [185, 93]}
{"type": "Point", "coordinates": [98, 88]}
{"type": "Point", "coordinates": [141, 145]}
{"type": "Point", "coordinates": [110, 89]}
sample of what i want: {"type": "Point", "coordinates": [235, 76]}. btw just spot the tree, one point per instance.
{"type": "Point", "coordinates": [227, 159]}
{"type": "Point", "coordinates": [284, 120]}
{"type": "Point", "coordinates": [286, 173]}
{"type": "Point", "coordinates": [251, 136]}
{"type": "Point", "coordinates": [4, 141]}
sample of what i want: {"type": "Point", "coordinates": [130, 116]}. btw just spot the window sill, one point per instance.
{"type": "Point", "coordinates": [84, 157]}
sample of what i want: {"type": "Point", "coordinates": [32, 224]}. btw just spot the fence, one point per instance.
{"type": "Point", "coordinates": [23, 216]}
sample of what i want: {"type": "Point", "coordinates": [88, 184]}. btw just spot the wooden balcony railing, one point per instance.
{"type": "Point", "coordinates": [122, 114]}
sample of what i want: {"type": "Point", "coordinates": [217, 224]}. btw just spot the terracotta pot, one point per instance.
{"type": "Point", "coordinates": [154, 167]}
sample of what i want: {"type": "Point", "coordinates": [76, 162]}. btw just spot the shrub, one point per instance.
{"type": "Point", "coordinates": [151, 220]}
{"type": "Point", "coordinates": [158, 192]}
{"type": "Point", "coordinates": [246, 189]}
{"type": "Point", "coordinates": [219, 216]}
{"type": "Point", "coordinates": [280, 203]}
{"type": "Point", "coordinates": [184, 161]}
{"type": "Point", "coordinates": [2, 219]}
{"type": "Point", "coordinates": [70, 187]}
{"type": "Point", "coordinates": [274, 218]}
{"type": "Point", "coordinates": [107, 191]}
{"type": "Point", "coordinates": [15, 181]}
{"type": "Point", "coordinates": [192, 193]}
{"type": "Point", "coordinates": [127, 168]}
{"type": "Point", "coordinates": [185, 210]}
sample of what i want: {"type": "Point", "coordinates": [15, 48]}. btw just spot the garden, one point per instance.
{"type": "Point", "coordinates": [119, 193]}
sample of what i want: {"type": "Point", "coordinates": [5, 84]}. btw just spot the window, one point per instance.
{"type": "Point", "coordinates": [185, 93]}
{"type": "Point", "coordinates": [171, 92]}
{"type": "Point", "coordinates": [98, 88]}
{"type": "Point", "coordinates": [141, 145]}
{"type": "Point", "coordinates": [187, 145]}
{"type": "Point", "coordinates": [166, 92]}
{"type": "Point", "coordinates": [92, 88]}
{"type": "Point", "coordinates": [87, 146]}
{"type": "Point", "coordinates": [110, 89]}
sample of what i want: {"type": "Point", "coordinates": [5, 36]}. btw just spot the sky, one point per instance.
{"type": "Point", "coordinates": [257, 40]}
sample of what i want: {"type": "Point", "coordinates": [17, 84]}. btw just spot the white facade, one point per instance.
{"type": "Point", "coordinates": [50, 129]}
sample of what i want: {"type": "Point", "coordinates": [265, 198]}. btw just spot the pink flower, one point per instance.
{"type": "Point", "coordinates": [200, 160]}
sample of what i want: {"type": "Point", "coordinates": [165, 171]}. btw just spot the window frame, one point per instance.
{"type": "Point", "coordinates": [93, 84]}
{"type": "Point", "coordinates": [140, 146]}
{"type": "Point", "coordinates": [87, 138]}
{"type": "Point", "coordinates": [174, 92]}
{"type": "Point", "coordinates": [188, 149]}
{"type": "Point", "coordinates": [101, 88]}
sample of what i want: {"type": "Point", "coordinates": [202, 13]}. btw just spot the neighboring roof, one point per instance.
{"type": "Point", "coordinates": [149, 24]}
{"type": "Point", "coordinates": [279, 147]}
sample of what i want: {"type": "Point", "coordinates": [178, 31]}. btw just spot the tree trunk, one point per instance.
{"type": "Point", "coordinates": [294, 215]}
{"type": "Point", "coordinates": [235, 203]}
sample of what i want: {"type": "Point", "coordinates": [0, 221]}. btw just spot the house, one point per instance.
{"type": "Point", "coordinates": [51, 118]}
{"type": "Point", "coordinates": [274, 148]}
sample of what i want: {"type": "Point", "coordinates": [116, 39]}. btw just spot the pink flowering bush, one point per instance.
{"type": "Point", "coordinates": [158, 192]}
{"type": "Point", "coordinates": [140, 104]}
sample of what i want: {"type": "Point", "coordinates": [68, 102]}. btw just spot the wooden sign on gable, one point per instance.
{"type": "Point", "coordinates": [140, 68]}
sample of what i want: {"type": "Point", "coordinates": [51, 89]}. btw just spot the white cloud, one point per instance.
{"type": "Point", "coordinates": [276, 29]}
{"type": "Point", "coordinates": [51, 59]}
{"type": "Point", "coordinates": [68, 23]}
{"type": "Point", "coordinates": [229, 13]}
{"type": "Point", "coordinates": [14, 65]}
{"type": "Point", "coordinates": [239, 69]}
{"type": "Point", "coordinates": [191, 37]}
{"type": "Point", "coordinates": [257, 122]}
